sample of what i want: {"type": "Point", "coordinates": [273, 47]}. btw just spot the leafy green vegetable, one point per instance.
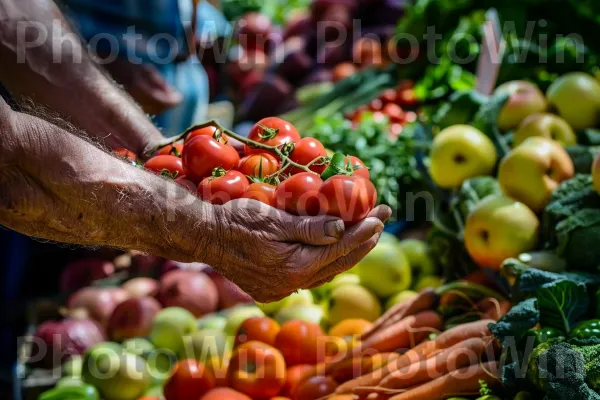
{"type": "Point", "coordinates": [393, 163]}
{"type": "Point", "coordinates": [582, 157]}
{"type": "Point", "coordinates": [460, 108]}
{"type": "Point", "coordinates": [486, 120]}
{"type": "Point", "coordinates": [515, 324]}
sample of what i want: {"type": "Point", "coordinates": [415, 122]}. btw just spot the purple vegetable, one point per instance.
{"type": "Point", "coordinates": [386, 13]}
{"type": "Point", "coordinates": [57, 341]}
{"type": "Point", "coordinates": [82, 273]}
{"type": "Point", "coordinates": [266, 98]}
{"type": "Point", "coordinates": [302, 26]}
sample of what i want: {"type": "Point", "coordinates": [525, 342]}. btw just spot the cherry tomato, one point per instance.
{"type": "Point", "coordinates": [207, 131]}
{"type": "Point", "coordinates": [350, 198]}
{"type": "Point", "coordinates": [306, 151]}
{"type": "Point", "coordinates": [343, 71]}
{"type": "Point", "coordinates": [356, 162]}
{"type": "Point", "coordinates": [299, 194]}
{"type": "Point", "coordinates": [250, 165]}
{"type": "Point", "coordinates": [295, 375]}
{"type": "Point", "coordinates": [395, 130]}
{"type": "Point", "coordinates": [171, 149]}
{"type": "Point", "coordinates": [410, 116]}
{"type": "Point", "coordinates": [221, 189]}
{"type": "Point", "coordinates": [186, 183]}
{"type": "Point", "coordinates": [394, 112]}
{"type": "Point", "coordinates": [376, 105]}
{"type": "Point", "coordinates": [271, 131]}
{"type": "Point", "coordinates": [257, 369]}
{"type": "Point", "coordinates": [316, 387]}
{"type": "Point", "coordinates": [301, 342]}
{"type": "Point", "coordinates": [262, 329]}
{"type": "Point", "coordinates": [262, 192]}
{"type": "Point", "coordinates": [367, 52]}
{"type": "Point", "coordinates": [124, 153]}
{"type": "Point", "coordinates": [203, 154]}
{"type": "Point", "coordinates": [378, 116]}
{"type": "Point", "coordinates": [190, 380]}
{"type": "Point", "coordinates": [388, 96]}
{"type": "Point", "coordinates": [406, 97]}
{"type": "Point", "coordinates": [159, 164]}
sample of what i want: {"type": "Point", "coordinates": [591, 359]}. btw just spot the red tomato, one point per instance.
{"type": "Point", "coordinates": [376, 105]}
{"type": "Point", "coordinates": [262, 192]}
{"type": "Point", "coordinates": [277, 132]}
{"type": "Point", "coordinates": [257, 369]}
{"type": "Point", "coordinates": [395, 130]}
{"type": "Point", "coordinates": [124, 153]}
{"type": "Point", "coordinates": [316, 387]}
{"type": "Point", "coordinates": [203, 154]}
{"type": "Point", "coordinates": [159, 164]}
{"type": "Point", "coordinates": [306, 151]}
{"type": "Point", "coordinates": [171, 149]}
{"type": "Point", "coordinates": [343, 71]}
{"type": "Point", "coordinates": [221, 189]}
{"type": "Point", "coordinates": [356, 162]}
{"type": "Point", "coordinates": [394, 112]}
{"type": "Point", "coordinates": [295, 375]}
{"type": "Point", "coordinates": [224, 394]}
{"type": "Point", "coordinates": [299, 194]}
{"type": "Point", "coordinates": [190, 380]}
{"type": "Point", "coordinates": [262, 329]}
{"type": "Point", "coordinates": [301, 342]}
{"type": "Point", "coordinates": [410, 116]}
{"type": "Point", "coordinates": [186, 183]}
{"type": "Point", "coordinates": [207, 131]}
{"type": "Point", "coordinates": [250, 165]}
{"type": "Point", "coordinates": [406, 97]}
{"type": "Point", "coordinates": [350, 198]}
{"type": "Point", "coordinates": [388, 96]}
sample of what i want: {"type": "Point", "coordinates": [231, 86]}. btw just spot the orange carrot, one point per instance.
{"type": "Point", "coordinates": [465, 353]}
{"type": "Point", "coordinates": [462, 382]}
{"type": "Point", "coordinates": [425, 300]}
{"type": "Point", "coordinates": [420, 352]}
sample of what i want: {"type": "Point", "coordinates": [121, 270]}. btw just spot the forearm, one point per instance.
{"type": "Point", "coordinates": [56, 186]}
{"type": "Point", "coordinates": [74, 86]}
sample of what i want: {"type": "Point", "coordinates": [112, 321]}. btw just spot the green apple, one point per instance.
{"type": "Point", "coordinates": [138, 346]}
{"type": "Point", "coordinates": [169, 327]}
{"type": "Point", "coordinates": [204, 344]}
{"type": "Point", "coordinates": [305, 312]}
{"type": "Point", "coordinates": [159, 361]}
{"type": "Point", "coordinates": [117, 374]}
{"type": "Point", "coordinates": [237, 315]}
{"type": "Point", "coordinates": [301, 297]}
{"type": "Point", "coordinates": [530, 172]}
{"type": "Point", "coordinates": [69, 381]}
{"type": "Point", "coordinates": [385, 270]}
{"type": "Point", "coordinates": [576, 97]}
{"type": "Point", "coordinates": [417, 253]}
{"type": "Point", "coordinates": [458, 153]}
{"type": "Point", "coordinates": [425, 282]}
{"type": "Point", "coordinates": [352, 301]}
{"type": "Point", "coordinates": [546, 125]}
{"type": "Point", "coordinates": [154, 391]}
{"type": "Point", "coordinates": [499, 228]}
{"type": "Point", "coordinates": [400, 298]}
{"type": "Point", "coordinates": [212, 321]}
{"type": "Point", "coordinates": [324, 290]}
{"type": "Point", "coordinates": [524, 99]}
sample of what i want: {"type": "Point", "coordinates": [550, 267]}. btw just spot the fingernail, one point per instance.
{"type": "Point", "coordinates": [334, 228]}
{"type": "Point", "coordinates": [378, 228]}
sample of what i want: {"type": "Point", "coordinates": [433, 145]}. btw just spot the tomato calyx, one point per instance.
{"type": "Point", "coordinates": [268, 133]}
{"type": "Point", "coordinates": [217, 173]}
{"type": "Point", "coordinates": [168, 174]}
{"type": "Point", "coordinates": [337, 166]}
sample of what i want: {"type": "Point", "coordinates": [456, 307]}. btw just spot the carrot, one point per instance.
{"type": "Point", "coordinates": [425, 300]}
{"type": "Point", "coordinates": [422, 351]}
{"type": "Point", "coordinates": [465, 353]}
{"type": "Point", "coordinates": [462, 382]}
{"type": "Point", "coordinates": [356, 366]}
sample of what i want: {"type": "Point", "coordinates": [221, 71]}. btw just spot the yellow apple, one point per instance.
{"type": "Point", "coordinates": [524, 99]}
{"type": "Point", "coordinates": [531, 171]}
{"type": "Point", "coordinates": [499, 228]}
{"type": "Point", "coordinates": [545, 125]}
{"type": "Point", "coordinates": [576, 97]}
{"type": "Point", "coordinates": [458, 153]}
{"type": "Point", "coordinates": [596, 173]}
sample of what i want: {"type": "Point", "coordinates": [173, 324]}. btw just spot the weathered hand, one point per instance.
{"type": "Point", "coordinates": [270, 254]}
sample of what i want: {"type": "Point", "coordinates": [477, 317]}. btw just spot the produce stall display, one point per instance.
{"type": "Point", "coordinates": [493, 294]}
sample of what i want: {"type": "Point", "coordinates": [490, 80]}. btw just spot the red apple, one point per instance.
{"type": "Point", "coordinates": [191, 290]}
{"type": "Point", "coordinates": [132, 318]}
{"type": "Point", "coordinates": [141, 287]}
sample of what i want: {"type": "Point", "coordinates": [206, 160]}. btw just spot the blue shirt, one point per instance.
{"type": "Point", "coordinates": [159, 29]}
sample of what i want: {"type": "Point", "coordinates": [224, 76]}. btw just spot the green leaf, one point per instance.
{"type": "Point", "coordinates": [562, 304]}
{"type": "Point", "coordinates": [486, 120]}
{"type": "Point", "coordinates": [515, 324]}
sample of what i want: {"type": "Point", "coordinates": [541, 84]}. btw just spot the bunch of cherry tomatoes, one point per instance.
{"type": "Point", "coordinates": [278, 168]}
